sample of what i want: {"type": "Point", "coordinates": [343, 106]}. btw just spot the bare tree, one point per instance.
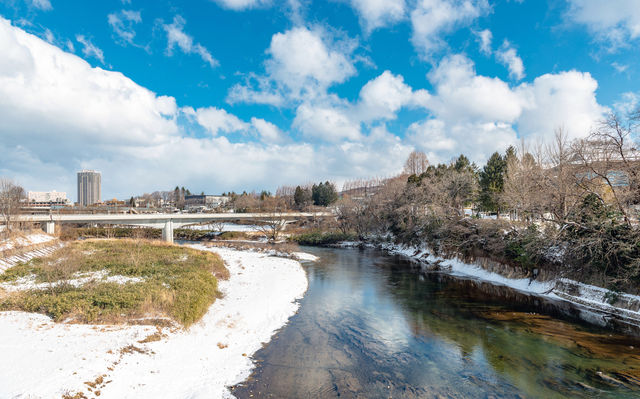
{"type": "Point", "coordinates": [416, 163]}
{"type": "Point", "coordinates": [272, 227]}
{"type": "Point", "coordinates": [522, 186]}
{"type": "Point", "coordinates": [560, 177]}
{"type": "Point", "coordinates": [11, 195]}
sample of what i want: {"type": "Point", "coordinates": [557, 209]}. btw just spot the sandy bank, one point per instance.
{"type": "Point", "coordinates": [41, 359]}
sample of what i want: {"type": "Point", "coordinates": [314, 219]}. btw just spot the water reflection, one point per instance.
{"type": "Point", "coordinates": [376, 326]}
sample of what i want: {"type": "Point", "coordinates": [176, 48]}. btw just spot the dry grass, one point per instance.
{"type": "Point", "coordinates": [178, 283]}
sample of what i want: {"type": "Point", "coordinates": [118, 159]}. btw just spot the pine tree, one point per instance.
{"type": "Point", "coordinates": [492, 182]}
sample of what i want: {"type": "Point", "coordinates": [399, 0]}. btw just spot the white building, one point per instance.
{"type": "Point", "coordinates": [42, 197]}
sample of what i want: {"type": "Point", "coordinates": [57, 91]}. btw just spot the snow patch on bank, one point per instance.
{"type": "Point", "coordinates": [45, 359]}
{"type": "Point", "coordinates": [625, 306]}
{"type": "Point", "coordinates": [25, 241]}
{"type": "Point", "coordinates": [29, 282]}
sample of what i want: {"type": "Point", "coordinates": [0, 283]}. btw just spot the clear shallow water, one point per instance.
{"type": "Point", "coordinates": [376, 326]}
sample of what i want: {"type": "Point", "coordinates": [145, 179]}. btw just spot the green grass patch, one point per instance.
{"type": "Point", "coordinates": [178, 282]}
{"type": "Point", "coordinates": [318, 238]}
{"type": "Point", "coordinates": [233, 235]}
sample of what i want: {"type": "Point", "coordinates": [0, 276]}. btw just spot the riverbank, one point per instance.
{"type": "Point", "coordinates": [76, 361]}
{"type": "Point", "coordinates": [615, 304]}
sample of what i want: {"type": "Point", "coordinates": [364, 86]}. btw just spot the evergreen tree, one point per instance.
{"type": "Point", "coordinates": [324, 194]}
{"type": "Point", "coordinates": [264, 194]}
{"type": "Point", "coordinates": [462, 164]}
{"type": "Point", "coordinates": [492, 181]}
{"type": "Point", "coordinates": [301, 196]}
{"type": "Point", "coordinates": [132, 202]}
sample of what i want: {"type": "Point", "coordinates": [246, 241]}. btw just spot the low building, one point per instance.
{"type": "Point", "coordinates": [210, 201]}
{"type": "Point", "coordinates": [39, 198]}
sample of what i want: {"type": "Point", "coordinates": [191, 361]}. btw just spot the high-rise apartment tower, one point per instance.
{"type": "Point", "coordinates": [89, 187]}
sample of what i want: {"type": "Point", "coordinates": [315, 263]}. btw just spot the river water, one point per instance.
{"type": "Point", "coordinates": [374, 325]}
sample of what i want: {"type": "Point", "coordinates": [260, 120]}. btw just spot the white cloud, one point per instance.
{"type": "Point", "coordinates": [628, 103]}
{"type": "Point", "coordinates": [122, 24]}
{"type": "Point", "coordinates": [217, 120]}
{"type": "Point", "coordinates": [477, 115]}
{"type": "Point", "coordinates": [376, 14]}
{"type": "Point", "coordinates": [431, 19]}
{"type": "Point", "coordinates": [463, 95]}
{"type": "Point", "coordinates": [614, 23]}
{"type": "Point", "coordinates": [326, 123]}
{"type": "Point", "coordinates": [70, 46]}
{"type": "Point", "coordinates": [508, 56]}
{"type": "Point", "coordinates": [619, 68]}
{"type": "Point", "coordinates": [177, 37]}
{"type": "Point", "coordinates": [239, 5]}
{"type": "Point", "coordinates": [59, 115]}
{"type": "Point", "coordinates": [384, 96]}
{"type": "Point", "coordinates": [90, 49]}
{"type": "Point", "coordinates": [267, 131]}
{"type": "Point", "coordinates": [484, 39]}
{"type": "Point", "coordinates": [303, 63]}
{"type": "Point", "coordinates": [49, 37]}
{"type": "Point", "coordinates": [44, 5]}
{"type": "Point", "coordinates": [566, 98]}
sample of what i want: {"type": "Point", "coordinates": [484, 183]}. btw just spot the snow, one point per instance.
{"type": "Point", "coordinates": [48, 359]}
{"type": "Point", "coordinates": [10, 261]}
{"type": "Point", "coordinates": [29, 282]}
{"type": "Point", "coordinates": [592, 297]}
{"type": "Point", "coordinates": [32, 239]}
{"type": "Point", "coordinates": [227, 227]}
{"type": "Point", "coordinates": [305, 256]}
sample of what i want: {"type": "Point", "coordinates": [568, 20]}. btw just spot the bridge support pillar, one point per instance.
{"type": "Point", "coordinates": [167, 232]}
{"type": "Point", "coordinates": [49, 227]}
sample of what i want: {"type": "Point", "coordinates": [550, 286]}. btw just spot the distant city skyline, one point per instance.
{"type": "Point", "coordinates": [228, 95]}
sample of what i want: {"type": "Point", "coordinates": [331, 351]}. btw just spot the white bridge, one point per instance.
{"type": "Point", "coordinates": [166, 222]}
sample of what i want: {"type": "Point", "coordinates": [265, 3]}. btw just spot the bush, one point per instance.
{"type": "Point", "coordinates": [233, 235]}
{"type": "Point", "coordinates": [318, 238]}
{"type": "Point", "coordinates": [178, 282]}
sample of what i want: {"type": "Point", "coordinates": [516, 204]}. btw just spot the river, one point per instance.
{"type": "Point", "coordinates": [374, 325]}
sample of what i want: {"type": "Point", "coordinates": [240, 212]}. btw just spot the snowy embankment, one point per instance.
{"type": "Point", "coordinates": [624, 306]}
{"type": "Point", "coordinates": [42, 359]}
{"type": "Point", "coordinates": [22, 249]}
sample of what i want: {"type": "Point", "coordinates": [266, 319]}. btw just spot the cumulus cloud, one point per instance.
{"type": "Point", "coordinates": [566, 98]}
{"type": "Point", "coordinates": [217, 120]}
{"type": "Point", "coordinates": [432, 19]}
{"type": "Point", "coordinates": [484, 39]}
{"type": "Point", "coordinates": [267, 131]}
{"type": "Point", "coordinates": [477, 115]}
{"type": "Point", "coordinates": [176, 37]}
{"type": "Point", "coordinates": [613, 23]}
{"type": "Point", "coordinates": [508, 56]}
{"type": "Point", "coordinates": [374, 14]}
{"type": "Point", "coordinates": [59, 115]}
{"type": "Point", "coordinates": [384, 96]}
{"type": "Point", "coordinates": [303, 63]}
{"type": "Point", "coordinates": [122, 25]}
{"type": "Point", "coordinates": [90, 49]}
{"type": "Point", "coordinates": [326, 122]}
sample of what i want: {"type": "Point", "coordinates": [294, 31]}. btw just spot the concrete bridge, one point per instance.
{"type": "Point", "coordinates": [166, 222]}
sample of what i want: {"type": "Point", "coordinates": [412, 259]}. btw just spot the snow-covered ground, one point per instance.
{"type": "Point", "coordinates": [31, 239]}
{"type": "Point", "coordinates": [29, 282]}
{"type": "Point", "coordinates": [41, 359]}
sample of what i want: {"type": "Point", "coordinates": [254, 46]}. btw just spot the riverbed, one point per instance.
{"type": "Point", "coordinates": [378, 325]}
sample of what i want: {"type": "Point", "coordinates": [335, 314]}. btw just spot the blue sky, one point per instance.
{"type": "Point", "coordinates": [251, 94]}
